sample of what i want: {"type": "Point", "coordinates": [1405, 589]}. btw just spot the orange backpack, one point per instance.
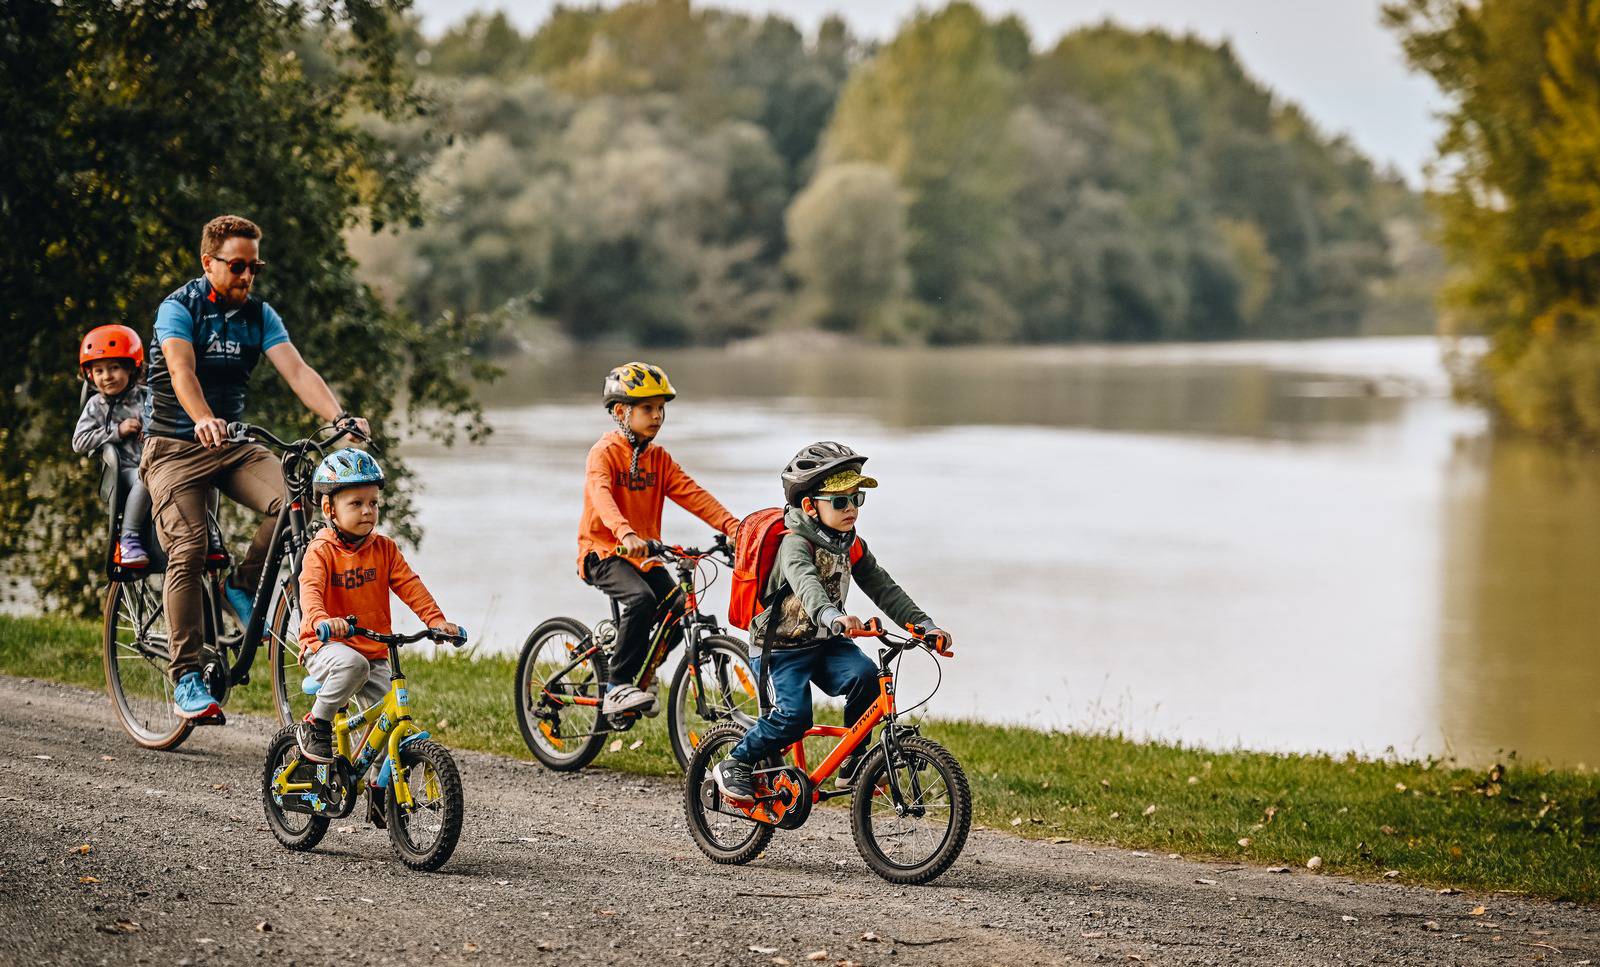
{"type": "Point", "coordinates": [755, 551]}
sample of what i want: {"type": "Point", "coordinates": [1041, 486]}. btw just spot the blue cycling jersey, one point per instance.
{"type": "Point", "coordinates": [228, 342]}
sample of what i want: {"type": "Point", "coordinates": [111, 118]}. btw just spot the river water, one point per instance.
{"type": "Point", "coordinates": [1288, 546]}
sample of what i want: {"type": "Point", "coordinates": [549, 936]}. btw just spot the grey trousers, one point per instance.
{"type": "Point", "coordinates": [344, 672]}
{"type": "Point", "coordinates": [136, 505]}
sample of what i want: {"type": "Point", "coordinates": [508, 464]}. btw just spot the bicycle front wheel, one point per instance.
{"type": "Point", "coordinates": [425, 833]}
{"type": "Point", "coordinates": [283, 654]}
{"type": "Point", "coordinates": [135, 651]}
{"type": "Point", "coordinates": [916, 839]}
{"type": "Point", "coordinates": [558, 695]}
{"type": "Point", "coordinates": [727, 684]}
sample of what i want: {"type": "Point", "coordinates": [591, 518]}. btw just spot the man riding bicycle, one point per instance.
{"type": "Point", "coordinates": [209, 335]}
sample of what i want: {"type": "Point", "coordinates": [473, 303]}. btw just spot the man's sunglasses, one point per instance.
{"type": "Point", "coordinates": [841, 501]}
{"type": "Point", "coordinates": [238, 266]}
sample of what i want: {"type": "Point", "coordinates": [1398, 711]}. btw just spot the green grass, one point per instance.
{"type": "Point", "coordinates": [1516, 827]}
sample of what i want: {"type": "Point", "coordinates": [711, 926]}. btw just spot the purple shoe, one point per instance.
{"type": "Point", "coordinates": [130, 553]}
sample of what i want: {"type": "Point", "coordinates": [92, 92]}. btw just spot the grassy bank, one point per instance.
{"type": "Point", "coordinates": [1514, 827]}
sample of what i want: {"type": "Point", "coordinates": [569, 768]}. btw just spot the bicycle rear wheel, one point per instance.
{"type": "Point", "coordinates": [918, 845]}
{"type": "Point", "coordinates": [558, 712]}
{"type": "Point", "coordinates": [283, 654]}
{"type": "Point", "coordinates": [729, 685]}
{"type": "Point", "coordinates": [724, 837]}
{"type": "Point", "coordinates": [137, 663]}
{"type": "Point", "coordinates": [295, 830]}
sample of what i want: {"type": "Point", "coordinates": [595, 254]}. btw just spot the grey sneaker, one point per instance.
{"type": "Point", "coordinates": [625, 699]}
{"type": "Point", "coordinates": [733, 781]}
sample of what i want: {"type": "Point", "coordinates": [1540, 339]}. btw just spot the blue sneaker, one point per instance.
{"type": "Point", "coordinates": [242, 602]}
{"type": "Point", "coordinates": [191, 698]}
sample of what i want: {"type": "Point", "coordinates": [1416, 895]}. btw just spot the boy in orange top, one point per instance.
{"type": "Point", "coordinates": [349, 570]}
{"type": "Point", "coordinates": [628, 481]}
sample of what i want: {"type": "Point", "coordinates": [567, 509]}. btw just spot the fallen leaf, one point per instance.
{"type": "Point", "coordinates": [45, 758]}
{"type": "Point", "coordinates": [817, 955]}
{"type": "Point", "coordinates": [1449, 891]}
{"type": "Point", "coordinates": [1115, 814]}
{"type": "Point", "coordinates": [1431, 925]}
{"type": "Point", "coordinates": [88, 879]}
{"type": "Point", "coordinates": [1092, 934]}
{"type": "Point", "coordinates": [1387, 830]}
{"type": "Point", "coordinates": [1150, 810]}
{"type": "Point", "coordinates": [1244, 842]}
{"type": "Point", "coordinates": [1096, 887]}
{"type": "Point", "coordinates": [1016, 820]}
{"type": "Point", "coordinates": [498, 882]}
{"type": "Point", "coordinates": [1106, 783]}
{"type": "Point", "coordinates": [125, 926]}
{"type": "Point", "coordinates": [470, 947]}
{"type": "Point", "coordinates": [616, 746]}
{"type": "Point", "coordinates": [545, 945]}
{"type": "Point", "coordinates": [1399, 787]}
{"type": "Point", "coordinates": [636, 743]}
{"type": "Point", "coordinates": [1277, 869]}
{"type": "Point", "coordinates": [108, 758]}
{"type": "Point", "coordinates": [1205, 882]}
{"type": "Point", "coordinates": [755, 949]}
{"type": "Point", "coordinates": [1058, 840]}
{"type": "Point", "coordinates": [443, 723]}
{"type": "Point", "coordinates": [84, 850]}
{"type": "Point", "coordinates": [1194, 780]}
{"type": "Point", "coordinates": [870, 937]}
{"type": "Point", "coordinates": [1347, 918]}
{"type": "Point", "coordinates": [1477, 912]}
{"type": "Point", "coordinates": [264, 926]}
{"type": "Point", "coordinates": [1390, 874]}
{"type": "Point", "coordinates": [1314, 863]}
{"type": "Point", "coordinates": [780, 962]}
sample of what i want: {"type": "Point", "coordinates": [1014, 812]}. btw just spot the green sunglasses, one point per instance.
{"type": "Point", "coordinates": [841, 501]}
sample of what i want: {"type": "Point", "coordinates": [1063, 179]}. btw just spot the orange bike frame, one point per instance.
{"type": "Point", "coordinates": [849, 739]}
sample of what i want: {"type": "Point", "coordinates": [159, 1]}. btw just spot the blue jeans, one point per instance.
{"type": "Point", "coordinates": [837, 667]}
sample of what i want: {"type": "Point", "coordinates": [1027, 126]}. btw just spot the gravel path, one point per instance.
{"type": "Point", "coordinates": [599, 868]}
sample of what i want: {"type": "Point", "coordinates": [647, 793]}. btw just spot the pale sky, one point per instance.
{"type": "Point", "coordinates": [1330, 56]}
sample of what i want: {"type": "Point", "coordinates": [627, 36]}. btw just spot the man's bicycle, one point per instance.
{"type": "Point", "coordinates": [135, 646]}
{"type": "Point", "coordinates": [561, 673]}
{"type": "Point", "coordinates": [912, 807]}
{"type": "Point", "coordinates": [417, 792]}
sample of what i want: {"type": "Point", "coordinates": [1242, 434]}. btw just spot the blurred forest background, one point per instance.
{"type": "Point", "coordinates": [661, 173]}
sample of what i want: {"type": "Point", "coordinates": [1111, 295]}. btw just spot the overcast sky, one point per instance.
{"type": "Point", "coordinates": [1330, 56]}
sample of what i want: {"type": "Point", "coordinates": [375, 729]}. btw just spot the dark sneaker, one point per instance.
{"type": "Point", "coordinates": [192, 700]}
{"type": "Point", "coordinates": [624, 699]}
{"type": "Point", "coordinates": [733, 781]}
{"type": "Point", "coordinates": [846, 776]}
{"type": "Point", "coordinates": [316, 739]}
{"type": "Point", "coordinates": [131, 553]}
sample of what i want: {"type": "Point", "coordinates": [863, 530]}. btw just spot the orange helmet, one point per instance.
{"type": "Point", "coordinates": [112, 342]}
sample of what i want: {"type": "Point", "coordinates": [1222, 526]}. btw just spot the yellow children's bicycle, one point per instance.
{"type": "Point", "coordinates": [416, 795]}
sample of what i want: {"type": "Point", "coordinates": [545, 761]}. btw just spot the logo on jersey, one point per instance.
{"type": "Point", "coordinates": [643, 480]}
{"type": "Point", "coordinates": [224, 347]}
{"type": "Point", "coordinates": [355, 577]}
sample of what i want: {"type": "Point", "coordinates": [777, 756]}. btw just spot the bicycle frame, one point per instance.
{"type": "Point", "coordinates": [391, 727]}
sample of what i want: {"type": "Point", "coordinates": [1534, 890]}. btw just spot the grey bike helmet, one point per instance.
{"type": "Point", "coordinates": [814, 464]}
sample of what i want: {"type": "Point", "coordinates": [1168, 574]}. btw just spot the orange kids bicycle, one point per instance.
{"type": "Point", "coordinates": [912, 807]}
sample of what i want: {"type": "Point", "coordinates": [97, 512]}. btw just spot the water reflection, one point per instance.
{"type": "Point", "coordinates": [1285, 546]}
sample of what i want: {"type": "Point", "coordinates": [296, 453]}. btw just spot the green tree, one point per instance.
{"type": "Point", "coordinates": [127, 126]}
{"type": "Point", "coordinates": [847, 241]}
{"type": "Point", "coordinates": [1517, 197]}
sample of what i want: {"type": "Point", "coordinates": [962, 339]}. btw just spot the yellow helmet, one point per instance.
{"type": "Point", "coordinates": [632, 382]}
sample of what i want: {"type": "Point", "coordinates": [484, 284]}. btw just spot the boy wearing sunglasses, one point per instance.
{"type": "Point", "coordinates": [799, 639]}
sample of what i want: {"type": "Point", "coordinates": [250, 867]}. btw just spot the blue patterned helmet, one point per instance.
{"type": "Point", "coordinates": [346, 468]}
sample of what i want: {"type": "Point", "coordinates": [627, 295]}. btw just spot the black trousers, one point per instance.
{"type": "Point", "coordinates": [639, 594]}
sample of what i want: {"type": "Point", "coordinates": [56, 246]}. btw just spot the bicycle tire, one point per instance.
{"type": "Point", "coordinates": [286, 744]}
{"type": "Point", "coordinates": [549, 748]}
{"type": "Point", "coordinates": [449, 803]}
{"type": "Point", "coordinates": [141, 697]}
{"type": "Point", "coordinates": [718, 740]}
{"type": "Point", "coordinates": [723, 654]}
{"type": "Point", "coordinates": [872, 778]}
{"type": "Point", "coordinates": [283, 654]}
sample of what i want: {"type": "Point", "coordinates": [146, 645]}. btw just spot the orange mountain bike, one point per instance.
{"type": "Point", "coordinates": [912, 807]}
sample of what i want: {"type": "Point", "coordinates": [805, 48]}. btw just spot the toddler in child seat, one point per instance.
{"type": "Point", "coordinates": [111, 359]}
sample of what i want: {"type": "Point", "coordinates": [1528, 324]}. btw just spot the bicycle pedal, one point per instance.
{"type": "Point", "coordinates": [217, 718]}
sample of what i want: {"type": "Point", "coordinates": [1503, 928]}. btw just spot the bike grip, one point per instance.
{"type": "Point", "coordinates": [461, 639]}
{"type": "Point", "coordinates": [324, 631]}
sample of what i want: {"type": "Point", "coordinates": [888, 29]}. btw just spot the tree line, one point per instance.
{"type": "Point", "coordinates": [662, 173]}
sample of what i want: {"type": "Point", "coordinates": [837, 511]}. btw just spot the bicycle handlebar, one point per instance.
{"type": "Point", "coordinates": [325, 633]}
{"type": "Point", "coordinates": [242, 432]}
{"type": "Point", "coordinates": [719, 547]}
{"type": "Point", "coordinates": [918, 637]}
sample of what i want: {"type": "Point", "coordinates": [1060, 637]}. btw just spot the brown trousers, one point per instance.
{"type": "Point", "coordinates": [180, 476]}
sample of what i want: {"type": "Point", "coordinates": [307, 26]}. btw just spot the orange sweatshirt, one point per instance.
{"type": "Point", "coordinates": [614, 506]}
{"type": "Point", "coordinates": [336, 581]}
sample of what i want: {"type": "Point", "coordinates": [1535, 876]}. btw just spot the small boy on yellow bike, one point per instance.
{"type": "Point", "coordinates": [350, 570]}
{"type": "Point", "coordinates": [628, 477]}
{"type": "Point", "coordinates": [799, 639]}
